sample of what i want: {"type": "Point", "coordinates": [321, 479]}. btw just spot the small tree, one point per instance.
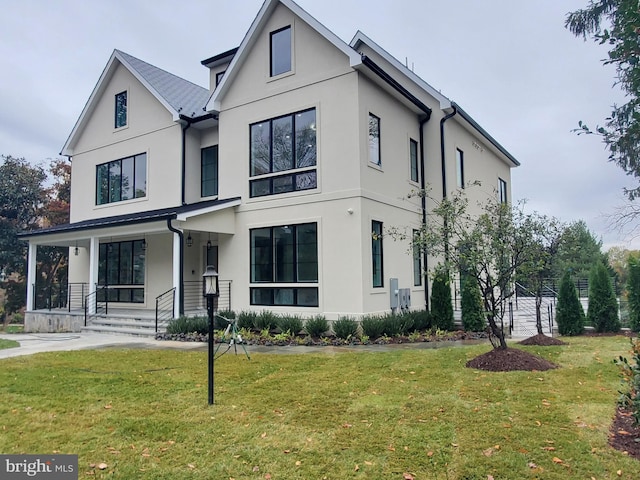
{"type": "Point", "coordinates": [473, 316]}
{"type": "Point", "coordinates": [633, 291]}
{"type": "Point", "coordinates": [441, 306]}
{"type": "Point", "coordinates": [603, 306]}
{"type": "Point", "coordinates": [569, 312]}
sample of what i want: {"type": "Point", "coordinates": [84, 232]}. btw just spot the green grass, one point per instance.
{"type": "Point", "coordinates": [12, 328]}
{"type": "Point", "coordinates": [318, 416]}
{"type": "Point", "coordinates": [8, 343]}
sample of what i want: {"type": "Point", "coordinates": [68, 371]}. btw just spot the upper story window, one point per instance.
{"type": "Point", "coordinates": [121, 110]}
{"type": "Point", "coordinates": [413, 160]}
{"type": "Point", "coordinates": [374, 139]}
{"type": "Point", "coordinates": [122, 179]}
{"type": "Point", "coordinates": [280, 51]}
{"type": "Point", "coordinates": [502, 191]}
{"type": "Point", "coordinates": [219, 76]}
{"type": "Point", "coordinates": [283, 144]}
{"type": "Point", "coordinates": [459, 168]}
{"type": "Point", "coordinates": [209, 171]}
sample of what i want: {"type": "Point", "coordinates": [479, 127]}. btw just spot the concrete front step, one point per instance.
{"type": "Point", "coordinates": [124, 326]}
{"type": "Point", "coordinates": [142, 332]}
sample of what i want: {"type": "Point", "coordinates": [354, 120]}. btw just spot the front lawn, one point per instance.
{"type": "Point", "coordinates": [8, 343]}
{"type": "Point", "coordinates": [143, 414]}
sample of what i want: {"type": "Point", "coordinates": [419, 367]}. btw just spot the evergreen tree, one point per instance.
{"type": "Point", "coordinates": [473, 315]}
{"type": "Point", "coordinates": [569, 312]}
{"type": "Point", "coordinates": [603, 306]}
{"type": "Point", "coordinates": [633, 291]}
{"type": "Point", "coordinates": [441, 306]}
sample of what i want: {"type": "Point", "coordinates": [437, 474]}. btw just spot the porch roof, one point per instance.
{"type": "Point", "coordinates": [134, 218]}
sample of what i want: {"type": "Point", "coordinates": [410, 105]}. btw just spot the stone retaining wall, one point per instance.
{"type": "Point", "coordinates": [52, 322]}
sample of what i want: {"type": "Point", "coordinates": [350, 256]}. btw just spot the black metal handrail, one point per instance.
{"type": "Point", "coordinates": [194, 295]}
{"type": "Point", "coordinates": [91, 303]}
{"type": "Point", "coordinates": [165, 306]}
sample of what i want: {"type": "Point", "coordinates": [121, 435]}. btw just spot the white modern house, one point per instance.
{"type": "Point", "coordinates": [284, 174]}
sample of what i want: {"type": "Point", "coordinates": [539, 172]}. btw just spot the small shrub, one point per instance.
{"type": "Point", "coordinates": [633, 287]}
{"type": "Point", "coordinates": [345, 328]}
{"type": "Point", "coordinates": [189, 325]}
{"type": "Point", "coordinates": [473, 314]}
{"type": "Point", "coordinates": [441, 305]}
{"type": "Point", "coordinates": [265, 320]}
{"type": "Point", "coordinates": [373, 326]}
{"type": "Point", "coordinates": [569, 312]}
{"type": "Point", "coordinates": [291, 324]}
{"type": "Point", "coordinates": [392, 327]}
{"type": "Point", "coordinates": [219, 321]}
{"type": "Point", "coordinates": [630, 370]}
{"type": "Point", "coordinates": [405, 323]}
{"type": "Point", "coordinates": [421, 320]}
{"type": "Point", "coordinates": [316, 326]}
{"type": "Point", "coordinates": [247, 319]}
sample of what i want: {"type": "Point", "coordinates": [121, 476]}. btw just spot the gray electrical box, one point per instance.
{"type": "Point", "coordinates": [405, 298]}
{"type": "Point", "coordinates": [394, 293]}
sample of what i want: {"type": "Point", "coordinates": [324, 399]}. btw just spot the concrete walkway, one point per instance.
{"type": "Point", "coordinates": [31, 343]}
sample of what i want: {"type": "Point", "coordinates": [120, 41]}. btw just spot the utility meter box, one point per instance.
{"type": "Point", "coordinates": [405, 298]}
{"type": "Point", "coordinates": [394, 293]}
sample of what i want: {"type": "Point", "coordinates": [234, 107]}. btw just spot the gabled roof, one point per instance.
{"type": "Point", "coordinates": [251, 37]}
{"type": "Point", "coordinates": [177, 95]}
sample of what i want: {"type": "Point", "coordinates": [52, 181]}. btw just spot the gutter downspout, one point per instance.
{"type": "Point", "coordinates": [444, 172]}
{"type": "Point", "coordinates": [424, 212]}
{"type": "Point", "coordinates": [184, 165]}
{"type": "Point", "coordinates": [181, 266]}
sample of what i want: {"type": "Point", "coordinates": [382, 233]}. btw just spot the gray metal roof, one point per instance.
{"type": "Point", "coordinates": [185, 97]}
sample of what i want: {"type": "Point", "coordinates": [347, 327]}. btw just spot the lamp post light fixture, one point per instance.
{"type": "Point", "coordinates": [211, 292]}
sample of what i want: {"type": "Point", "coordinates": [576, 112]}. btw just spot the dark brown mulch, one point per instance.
{"type": "Point", "coordinates": [542, 341]}
{"type": "Point", "coordinates": [510, 359]}
{"type": "Point", "coordinates": [624, 436]}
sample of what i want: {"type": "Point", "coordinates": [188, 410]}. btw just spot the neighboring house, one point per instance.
{"type": "Point", "coordinates": [284, 175]}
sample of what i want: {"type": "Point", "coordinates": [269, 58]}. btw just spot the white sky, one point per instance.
{"type": "Point", "coordinates": [510, 64]}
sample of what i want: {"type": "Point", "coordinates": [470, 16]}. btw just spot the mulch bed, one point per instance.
{"type": "Point", "coordinates": [623, 435]}
{"type": "Point", "coordinates": [542, 341]}
{"type": "Point", "coordinates": [508, 360]}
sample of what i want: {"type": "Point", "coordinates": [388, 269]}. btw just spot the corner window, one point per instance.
{"type": "Point", "coordinates": [121, 110]}
{"type": "Point", "coordinates": [121, 180]}
{"type": "Point", "coordinates": [459, 168]}
{"type": "Point", "coordinates": [284, 254]}
{"type": "Point", "coordinates": [376, 253]}
{"type": "Point", "coordinates": [417, 259]}
{"type": "Point", "coordinates": [413, 160]}
{"type": "Point", "coordinates": [502, 191]}
{"type": "Point", "coordinates": [283, 144]}
{"type": "Point", "coordinates": [209, 171]}
{"type": "Point", "coordinates": [374, 139]}
{"type": "Point", "coordinates": [280, 51]}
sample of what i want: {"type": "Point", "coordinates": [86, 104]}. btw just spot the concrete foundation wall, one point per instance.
{"type": "Point", "coordinates": [52, 322]}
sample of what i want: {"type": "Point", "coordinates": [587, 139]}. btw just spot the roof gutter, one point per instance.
{"type": "Point", "coordinates": [181, 266]}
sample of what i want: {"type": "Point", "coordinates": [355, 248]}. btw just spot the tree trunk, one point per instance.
{"type": "Point", "coordinates": [538, 313]}
{"type": "Point", "coordinates": [497, 332]}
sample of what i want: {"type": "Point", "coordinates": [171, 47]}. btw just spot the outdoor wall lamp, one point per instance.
{"type": "Point", "coordinates": [189, 240]}
{"type": "Point", "coordinates": [209, 243]}
{"type": "Point", "coordinates": [75, 250]}
{"type": "Point", "coordinates": [211, 291]}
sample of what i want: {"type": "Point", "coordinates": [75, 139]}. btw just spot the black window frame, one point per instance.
{"type": "Point", "coordinates": [502, 191]}
{"type": "Point", "coordinates": [219, 76]}
{"type": "Point", "coordinates": [374, 137]}
{"type": "Point", "coordinates": [377, 259]}
{"type": "Point", "coordinates": [417, 260]}
{"type": "Point", "coordinates": [275, 55]}
{"type": "Point", "coordinates": [129, 285]}
{"type": "Point", "coordinates": [459, 168]}
{"type": "Point", "coordinates": [413, 160]}
{"type": "Point", "coordinates": [204, 182]}
{"type": "Point", "coordinates": [112, 192]}
{"type": "Point", "coordinates": [118, 113]}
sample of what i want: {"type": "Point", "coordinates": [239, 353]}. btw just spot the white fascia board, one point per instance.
{"type": "Point", "coordinates": [361, 38]}
{"type": "Point", "coordinates": [183, 217]}
{"type": "Point", "coordinates": [213, 105]}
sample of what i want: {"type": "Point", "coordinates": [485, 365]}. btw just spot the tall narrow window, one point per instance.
{"type": "Point", "coordinates": [219, 76]}
{"type": "Point", "coordinates": [413, 159]}
{"type": "Point", "coordinates": [281, 51]}
{"type": "Point", "coordinates": [502, 190]}
{"type": "Point", "coordinates": [121, 110]}
{"type": "Point", "coordinates": [459, 168]}
{"type": "Point", "coordinates": [374, 139]}
{"type": "Point", "coordinates": [417, 259]}
{"type": "Point", "coordinates": [209, 171]}
{"type": "Point", "coordinates": [376, 253]}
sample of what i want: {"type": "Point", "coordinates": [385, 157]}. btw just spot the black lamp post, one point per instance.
{"type": "Point", "coordinates": [211, 291]}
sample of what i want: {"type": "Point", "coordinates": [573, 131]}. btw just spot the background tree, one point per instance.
{"type": "Point", "coordinates": [569, 312]}
{"type": "Point", "coordinates": [616, 23]}
{"type": "Point", "coordinates": [441, 305]}
{"type": "Point", "coordinates": [603, 306]}
{"type": "Point", "coordinates": [473, 316]}
{"type": "Point", "coordinates": [633, 289]}
{"type": "Point", "coordinates": [578, 250]}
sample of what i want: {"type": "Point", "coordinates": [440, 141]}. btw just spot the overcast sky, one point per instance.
{"type": "Point", "coordinates": [510, 64]}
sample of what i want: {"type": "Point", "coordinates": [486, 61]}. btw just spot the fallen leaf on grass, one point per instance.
{"type": "Point", "coordinates": [556, 460]}
{"type": "Point", "coordinates": [488, 452]}
{"type": "Point", "coordinates": [298, 463]}
{"type": "Point", "coordinates": [368, 463]}
{"type": "Point", "coordinates": [489, 477]}
{"type": "Point", "coordinates": [532, 465]}
{"type": "Point", "coordinates": [346, 425]}
{"type": "Point", "coordinates": [429, 454]}
{"type": "Point", "coordinates": [407, 476]}
{"type": "Point", "coordinates": [256, 469]}
{"type": "Point", "coordinates": [392, 448]}
{"type": "Point", "coordinates": [356, 468]}
{"type": "Point", "coordinates": [623, 432]}
{"type": "Point", "coordinates": [549, 449]}
{"type": "Point", "coordinates": [102, 466]}
{"type": "Point", "coordinates": [619, 473]}
{"type": "Point", "coordinates": [264, 435]}
{"type": "Point", "coordinates": [267, 476]}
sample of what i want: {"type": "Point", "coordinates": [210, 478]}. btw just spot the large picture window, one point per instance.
{"type": "Point", "coordinates": [376, 253]}
{"type": "Point", "coordinates": [284, 254]}
{"type": "Point", "coordinates": [121, 268]}
{"type": "Point", "coordinates": [122, 179]}
{"type": "Point", "coordinates": [121, 110]}
{"type": "Point", "coordinates": [280, 51]}
{"type": "Point", "coordinates": [209, 171]}
{"type": "Point", "coordinates": [283, 144]}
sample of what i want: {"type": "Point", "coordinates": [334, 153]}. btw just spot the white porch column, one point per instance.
{"type": "Point", "coordinates": [94, 252]}
{"type": "Point", "coordinates": [31, 276]}
{"type": "Point", "coordinates": [176, 274]}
